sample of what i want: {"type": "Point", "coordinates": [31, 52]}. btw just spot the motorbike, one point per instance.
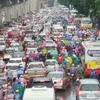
{"type": "Point", "coordinates": [73, 77]}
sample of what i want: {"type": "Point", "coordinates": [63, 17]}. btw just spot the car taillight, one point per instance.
{"type": "Point", "coordinates": [5, 86]}
{"type": "Point", "coordinates": [85, 66]}
{"type": "Point", "coordinates": [62, 82]}
{"type": "Point", "coordinates": [62, 98]}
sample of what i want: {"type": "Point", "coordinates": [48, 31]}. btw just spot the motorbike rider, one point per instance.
{"type": "Point", "coordinates": [23, 81]}
{"type": "Point", "coordinates": [20, 89]}
{"type": "Point", "coordinates": [59, 59]}
{"type": "Point", "coordinates": [93, 74]}
{"type": "Point", "coordinates": [73, 69]}
{"type": "Point", "coordinates": [20, 71]}
{"type": "Point", "coordinates": [49, 56]}
{"type": "Point", "coordinates": [79, 71]}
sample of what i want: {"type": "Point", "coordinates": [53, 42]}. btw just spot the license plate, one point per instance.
{"type": "Point", "coordinates": [90, 95]}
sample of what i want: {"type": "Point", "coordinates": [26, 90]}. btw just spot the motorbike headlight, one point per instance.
{"type": "Point", "coordinates": [72, 75]}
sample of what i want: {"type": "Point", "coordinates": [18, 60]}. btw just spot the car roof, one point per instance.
{"type": "Point", "coordinates": [89, 81]}
{"type": "Point", "coordinates": [53, 72]}
{"type": "Point", "coordinates": [38, 62]}
{"type": "Point", "coordinates": [51, 60]}
{"type": "Point", "coordinates": [15, 58]}
{"type": "Point", "coordinates": [42, 79]}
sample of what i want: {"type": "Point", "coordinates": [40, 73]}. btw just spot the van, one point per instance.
{"type": "Point", "coordinates": [86, 23]}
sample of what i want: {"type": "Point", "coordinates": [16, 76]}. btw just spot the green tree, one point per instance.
{"type": "Point", "coordinates": [85, 7]}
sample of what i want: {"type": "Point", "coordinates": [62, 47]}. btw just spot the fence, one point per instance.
{"type": "Point", "coordinates": [14, 11]}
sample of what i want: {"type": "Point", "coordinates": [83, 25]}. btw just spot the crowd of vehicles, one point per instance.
{"type": "Point", "coordinates": [48, 50]}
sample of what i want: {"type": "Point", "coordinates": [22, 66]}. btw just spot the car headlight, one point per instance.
{"type": "Point", "coordinates": [26, 72]}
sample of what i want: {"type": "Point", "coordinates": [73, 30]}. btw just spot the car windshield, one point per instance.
{"type": "Point", "coordinates": [15, 61]}
{"type": "Point", "coordinates": [14, 45]}
{"type": "Point", "coordinates": [55, 75]}
{"type": "Point", "coordinates": [42, 84]}
{"type": "Point", "coordinates": [12, 67]}
{"type": "Point", "coordinates": [30, 50]}
{"type": "Point", "coordinates": [50, 62]}
{"type": "Point", "coordinates": [35, 65]}
{"type": "Point", "coordinates": [90, 87]}
{"type": "Point", "coordinates": [18, 54]}
{"type": "Point", "coordinates": [2, 43]}
{"type": "Point", "coordinates": [86, 22]}
{"type": "Point", "coordinates": [29, 32]}
{"type": "Point", "coordinates": [9, 51]}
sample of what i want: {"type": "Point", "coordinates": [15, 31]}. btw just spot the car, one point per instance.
{"type": "Point", "coordinates": [16, 46]}
{"type": "Point", "coordinates": [35, 69]}
{"type": "Point", "coordinates": [29, 33]}
{"type": "Point", "coordinates": [50, 43]}
{"type": "Point", "coordinates": [8, 53]}
{"type": "Point", "coordinates": [30, 50]}
{"type": "Point", "coordinates": [58, 35]}
{"type": "Point", "coordinates": [16, 62]}
{"type": "Point", "coordinates": [12, 36]}
{"type": "Point", "coordinates": [2, 45]}
{"type": "Point", "coordinates": [13, 69]}
{"type": "Point", "coordinates": [60, 80]}
{"type": "Point", "coordinates": [51, 65]}
{"type": "Point", "coordinates": [88, 89]}
{"type": "Point", "coordinates": [41, 89]}
{"type": "Point", "coordinates": [2, 38]}
{"type": "Point", "coordinates": [20, 55]}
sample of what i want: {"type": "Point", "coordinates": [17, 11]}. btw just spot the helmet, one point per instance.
{"type": "Point", "coordinates": [72, 64]}
{"type": "Point", "coordinates": [21, 76]}
{"type": "Point", "coordinates": [17, 91]}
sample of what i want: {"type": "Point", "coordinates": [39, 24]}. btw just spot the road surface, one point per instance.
{"type": "Point", "coordinates": [69, 94]}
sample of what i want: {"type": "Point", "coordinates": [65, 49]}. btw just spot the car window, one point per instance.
{"type": "Point", "coordinates": [50, 62]}
{"type": "Point", "coordinates": [18, 54]}
{"type": "Point", "coordinates": [9, 51]}
{"type": "Point", "coordinates": [35, 65]}
{"type": "Point", "coordinates": [2, 43]}
{"type": "Point", "coordinates": [40, 84]}
{"type": "Point", "coordinates": [14, 45]}
{"type": "Point", "coordinates": [90, 87]}
{"type": "Point", "coordinates": [14, 61]}
{"type": "Point", "coordinates": [12, 67]}
{"type": "Point", "coordinates": [55, 75]}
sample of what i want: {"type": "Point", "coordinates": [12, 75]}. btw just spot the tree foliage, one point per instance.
{"type": "Point", "coordinates": [86, 7]}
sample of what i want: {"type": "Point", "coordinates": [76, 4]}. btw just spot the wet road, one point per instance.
{"type": "Point", "coordinates": [69, 94]}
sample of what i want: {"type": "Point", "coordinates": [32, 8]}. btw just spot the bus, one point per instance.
{"type": "Point", "coordinates": [90, 56]}
{"type": "Point", "coordinates": [86, 23]}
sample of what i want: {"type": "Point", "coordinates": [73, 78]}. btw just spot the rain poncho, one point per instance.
{"type": "Point", "coordinates": [79, 70]}
{"type": "Point", "coordinates": [93, 74]}
{"type": "Point", "coordinates": [14, 85]}
{"type": "Point", "coordinates": [20, 88]}
{"type": "Point", "coordinates": [44, 51]}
